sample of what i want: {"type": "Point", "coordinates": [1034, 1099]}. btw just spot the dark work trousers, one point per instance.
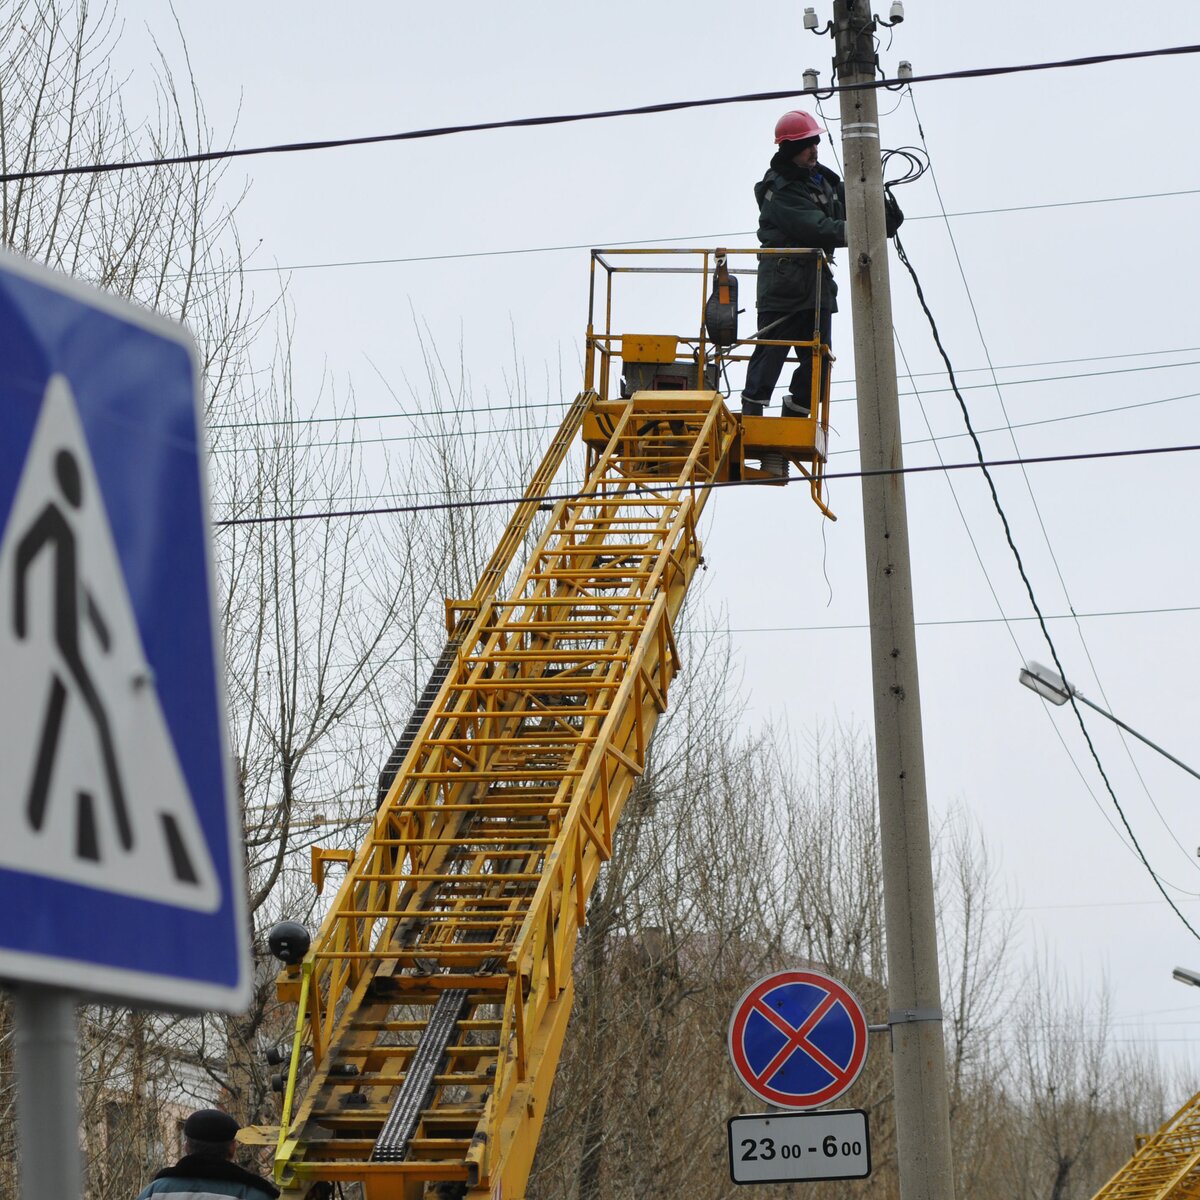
{"type": "Point", "coordinates": [767, 361]}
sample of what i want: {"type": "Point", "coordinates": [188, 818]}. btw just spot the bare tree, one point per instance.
{"type": "Point", "coordinates": [1064, 1075]}
{"type": "Point", "coordinates": [165, 239]}
{"type": "Point", "coordinates": [976, 922]}
{"type": "Point", "coordinates": [734, 857]}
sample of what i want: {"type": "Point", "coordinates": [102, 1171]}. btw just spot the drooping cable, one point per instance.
{"type": "Point", "coordinates": [1010, 429]}
{"type": "Point", "coordinates": [606, 114]}
{"type": "Point", "coordinates": [1008, 534]}
{"type": "Point", "coordinates": [914, 164]}
{"type": "Point", "coordinates": [1003, 617]}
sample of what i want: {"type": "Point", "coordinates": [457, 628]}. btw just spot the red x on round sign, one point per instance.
{"type": "Point", "coordinates": [798, 1039]}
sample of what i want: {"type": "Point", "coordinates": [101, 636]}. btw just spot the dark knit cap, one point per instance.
{"type": "Point", "coordinates": [210, 1125]}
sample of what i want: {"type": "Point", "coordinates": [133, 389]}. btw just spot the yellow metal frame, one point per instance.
{"type": "Point", "coordinates": [477, 870]}
{"type": "Point", "coordinates": [1166, 1165]}
{"type": "Point", "coordinates": [801, 441]}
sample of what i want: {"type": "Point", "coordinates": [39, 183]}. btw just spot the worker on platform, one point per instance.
{"type": "Point", "coordinates": [207, 1170]}
{"type": "Point", "coordinates": [801, 204]}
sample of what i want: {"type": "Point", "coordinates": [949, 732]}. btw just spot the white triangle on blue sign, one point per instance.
{"type": "Point", "coordinates": [96, 795]}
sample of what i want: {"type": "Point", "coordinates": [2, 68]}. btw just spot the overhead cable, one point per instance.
{"type": "Point", "coordinates": [558, 406]}
{"type": "Point", "coordinates": [934, 439]}
{"type": "Point", "coordinates": [1011, 431]}
{"type": "Point", "coordinates": [914, 164]}
{"type": "Point", "coordinates": [399, 260]}
{"type": "Point", "coordinates": [918, 162]}
{"type": "Point", "coordinates": [569, 118]}
{"type": "Point", "coordinates": [499, 501]}
{"type": "Point", "coordinates": [955, 621]}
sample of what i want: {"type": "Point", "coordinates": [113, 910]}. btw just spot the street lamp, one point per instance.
{"type": "Point", "coordinates": [1053, 687]}
{"type": "Point", "coordinates": [1186, 976]}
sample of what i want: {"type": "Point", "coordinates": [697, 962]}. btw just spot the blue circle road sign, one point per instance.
{"type": "Point", "coordinates": [798, 1039]}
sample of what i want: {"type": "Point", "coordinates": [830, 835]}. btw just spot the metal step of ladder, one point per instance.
{"type": "Point", "coordinates": [442, 974]}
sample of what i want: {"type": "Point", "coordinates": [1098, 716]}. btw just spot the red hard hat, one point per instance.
{"type": "Point", "coordinates": [795, 126]}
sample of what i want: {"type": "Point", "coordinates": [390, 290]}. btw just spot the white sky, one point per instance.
{"type": "Point", "coordinates": [1080, 282]}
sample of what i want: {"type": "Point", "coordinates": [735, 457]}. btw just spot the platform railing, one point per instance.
{"type": "Point", "coordinates": [605, 336]}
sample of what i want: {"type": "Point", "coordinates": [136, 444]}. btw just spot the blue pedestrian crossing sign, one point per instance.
{"type": "Point", "coordinates": [798, 1039]}
{"type": "Point", "coordinates": [121, 861]}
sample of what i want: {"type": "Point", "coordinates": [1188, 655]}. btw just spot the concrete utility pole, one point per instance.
{"type": "Point", "coordinates": [914, 994]}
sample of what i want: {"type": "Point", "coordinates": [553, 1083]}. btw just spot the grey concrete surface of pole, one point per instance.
{"type": "Point", "coordinates": [914, 993]}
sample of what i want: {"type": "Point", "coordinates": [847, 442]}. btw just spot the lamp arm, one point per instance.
{"type": "Point", "coordinates": [1140, 737]}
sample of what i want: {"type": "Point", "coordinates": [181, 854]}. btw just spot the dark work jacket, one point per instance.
{"type": "Point", "coordinates": [199, 1177]}
{"type": "Point", "coordinates": [798, 207]}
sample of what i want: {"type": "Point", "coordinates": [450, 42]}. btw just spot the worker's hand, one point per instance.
{"type": "Point", "coordinates": [892, 216]}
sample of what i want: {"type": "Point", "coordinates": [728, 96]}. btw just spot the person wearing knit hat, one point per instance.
{"type": "Point", "coordinates": [207, 1170]}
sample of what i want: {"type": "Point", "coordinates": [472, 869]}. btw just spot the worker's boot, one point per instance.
{"type": "Point", "coordinates": [796, 406]}
{"type": "Point", "coordinates": [752, 408]}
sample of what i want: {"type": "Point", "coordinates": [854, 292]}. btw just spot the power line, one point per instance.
{"type": "Point", "coordinates": [558, 406]}
{"type": "Point", "coordinates": [933, 439]}
{"type": "Point", "coordinates": [572, 118]}
{"type": "Point", "coordinates": [449, 505]}
{"type": "Point", "coordinates": [430, 436]}
{"type": "Point", "coordinates": [952, 621]}
{"type": "Point", "coordinates": [1004, 617]}
{"type": "Point", "coordinates": [400, 260]}
{"type": "Point", "coordinates": [420, 258]}
{"type": "Point", "coordinates": [1091, 412]}
{"type": "Point", "coordinates": [410, 659]}
{"type": "Point", "coordinates": [1011, 208]}
{"type": "Point", "coordinates": [1097, 904]}
{"type": "Point", "coordinates": [916, 169]}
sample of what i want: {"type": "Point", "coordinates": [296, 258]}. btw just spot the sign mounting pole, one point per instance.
{"type": "Point", "coordinates": [47, 1062]}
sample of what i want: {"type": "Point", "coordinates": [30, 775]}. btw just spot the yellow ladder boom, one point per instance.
{"type": "Point", "coordinates": [1166, 1165]}
{"type": "Point", "coordinates": [435, 997]}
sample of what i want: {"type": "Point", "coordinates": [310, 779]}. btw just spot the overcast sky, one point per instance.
{"type": "Point", "coordinates": [1064, 265]}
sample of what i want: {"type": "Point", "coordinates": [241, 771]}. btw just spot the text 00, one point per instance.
{"type": "Point", "coordinates": [765, 1149]}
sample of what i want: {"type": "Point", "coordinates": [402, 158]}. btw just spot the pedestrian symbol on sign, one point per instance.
{"type": "Point", "coordinates": [101, 797]}
{"type": "Point", "coordinates": [52, 532]}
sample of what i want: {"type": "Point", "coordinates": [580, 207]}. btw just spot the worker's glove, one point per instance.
{"type": "Point", "coordinates": [892, 216]}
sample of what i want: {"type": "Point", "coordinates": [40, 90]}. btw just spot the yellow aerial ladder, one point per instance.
{"type": "Point", "coordinates": [432, 1004]}
{"type": "Point", "coordinates": [1166, 1165]}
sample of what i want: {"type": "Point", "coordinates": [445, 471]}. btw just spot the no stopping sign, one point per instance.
{"type": "Point", "coordinates": [798, 1039]}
